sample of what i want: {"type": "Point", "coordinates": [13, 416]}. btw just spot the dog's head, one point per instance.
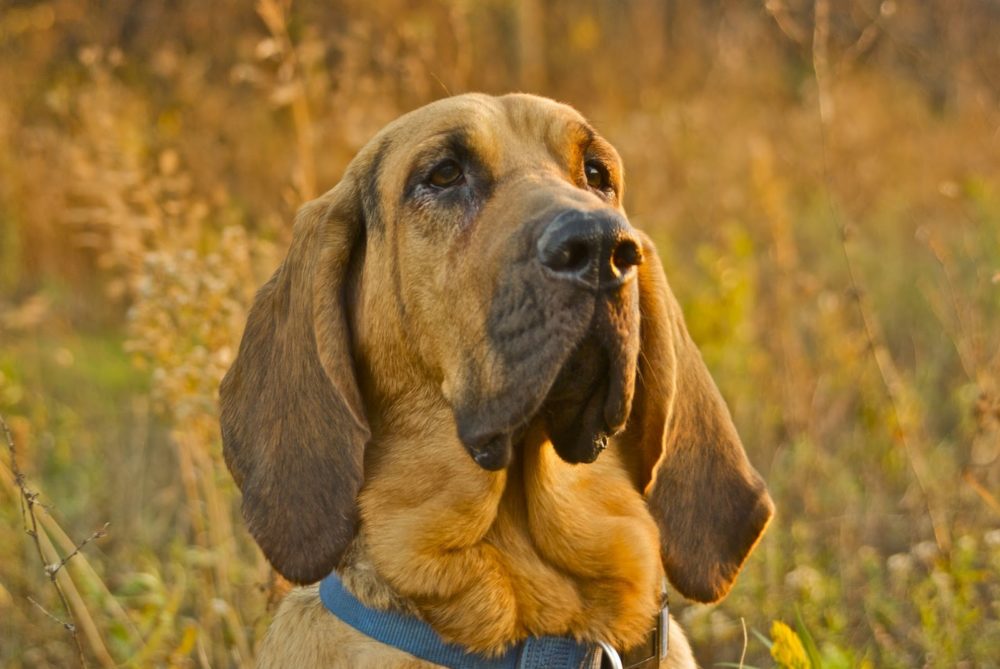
{"type": "Point", "coordinates": [477, 250]}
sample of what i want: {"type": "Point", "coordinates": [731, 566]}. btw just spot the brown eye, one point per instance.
{"type": "Point", "coordinates": [446, 175]}
{"type": "Point", "coordinates": [597, 175]}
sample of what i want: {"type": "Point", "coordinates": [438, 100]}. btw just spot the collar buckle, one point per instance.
{"type": "Point", "coordinates": [651, 654]}
{"type": "Point", "coordinates": [663, 629]}
{"type": "Point", "coordinates": [610, 659]}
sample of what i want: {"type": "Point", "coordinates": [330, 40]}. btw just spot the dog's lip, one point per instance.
{"type": "Point", "coordinates": [580, 436]}
{"type": "Point", "coordinates": [587, 404]}
{"type": "Point", "coordinates": [490, 450]}
{"type": "Point", "coordinates": [493, 450]}
{"type": "Point", "coordinates": [617, 405]}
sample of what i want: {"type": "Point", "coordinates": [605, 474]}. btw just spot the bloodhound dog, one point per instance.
{"type": "Point", "coordinates": [470, 392]}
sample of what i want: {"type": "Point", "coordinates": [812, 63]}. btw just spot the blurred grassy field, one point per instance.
{"type": "Point", "coordinates": [823, 180]}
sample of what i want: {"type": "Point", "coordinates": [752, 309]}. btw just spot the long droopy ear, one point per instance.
{"type": "Point", "coordinates": [711, 506]}
{"type": "Point", "coordinates": [293, 424]}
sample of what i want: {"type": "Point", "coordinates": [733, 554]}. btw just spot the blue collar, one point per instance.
{"type": "Point", "coordinates": [420, 640]}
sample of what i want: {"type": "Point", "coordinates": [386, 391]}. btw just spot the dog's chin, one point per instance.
{"type": "Point", "coordinates": [586, 404]}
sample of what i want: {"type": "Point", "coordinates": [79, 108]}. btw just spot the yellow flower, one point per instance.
{"type": "Point", "coordinates": [787, 650]}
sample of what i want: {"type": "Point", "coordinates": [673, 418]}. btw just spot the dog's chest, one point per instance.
{"type": "Point", "coordinates": [541, 548]}
{"type": "Point", "coordinates": [580, 547]}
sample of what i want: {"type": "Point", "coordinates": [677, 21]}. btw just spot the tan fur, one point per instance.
{"type": "Point", "coordinates": [372, 343]}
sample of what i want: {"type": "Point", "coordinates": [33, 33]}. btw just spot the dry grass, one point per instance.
{"type": "Point", "coordinates": [821, 179]}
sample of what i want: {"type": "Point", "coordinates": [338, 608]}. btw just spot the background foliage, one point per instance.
{"type": "Point", "coordinates": [823, 179]}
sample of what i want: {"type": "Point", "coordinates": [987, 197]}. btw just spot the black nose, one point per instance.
{"type": "Point", "coordinates": [596, 249]}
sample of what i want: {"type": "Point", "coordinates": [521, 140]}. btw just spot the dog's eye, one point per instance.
{"type": "Point", "coordinates": [446, 174]}
{"type": "Point", "coordinates": [597, 175]}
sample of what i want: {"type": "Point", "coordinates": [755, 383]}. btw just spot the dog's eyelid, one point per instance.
{"type": "Point", "coordinates": [446, 174]}
{"type": "Point", "coordinates": [608, 186]}
{"type": "Point", "coordinates": [426, 166]}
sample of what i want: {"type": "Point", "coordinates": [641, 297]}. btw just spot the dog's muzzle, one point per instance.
{"type": "Point", "coordinates": [564, 324]}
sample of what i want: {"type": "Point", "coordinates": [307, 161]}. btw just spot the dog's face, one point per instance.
{"type": "Point", "coordinates": [476, 252]}
{"type": "Point", "coordinates": [507, 211]}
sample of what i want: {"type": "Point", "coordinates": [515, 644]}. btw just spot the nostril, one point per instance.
{"type": "Point", "coordinates": [572, 255]}
{"type": "Point", "coordinates": [626, 255]}
{"type": "Point", "coordinates": [577, 256]}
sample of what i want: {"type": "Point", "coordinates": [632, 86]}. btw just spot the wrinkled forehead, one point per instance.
{"type": "Point", "coordinates": [504, 132]}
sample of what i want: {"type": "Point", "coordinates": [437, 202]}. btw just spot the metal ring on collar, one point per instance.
{"type": "Point", "coordinates": [611, 654]}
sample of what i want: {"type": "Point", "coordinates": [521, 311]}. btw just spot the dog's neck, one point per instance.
{"type": "Point", "coordinates": [490, 558]}
{"type": "Point", "coordinates": [359, 575]}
